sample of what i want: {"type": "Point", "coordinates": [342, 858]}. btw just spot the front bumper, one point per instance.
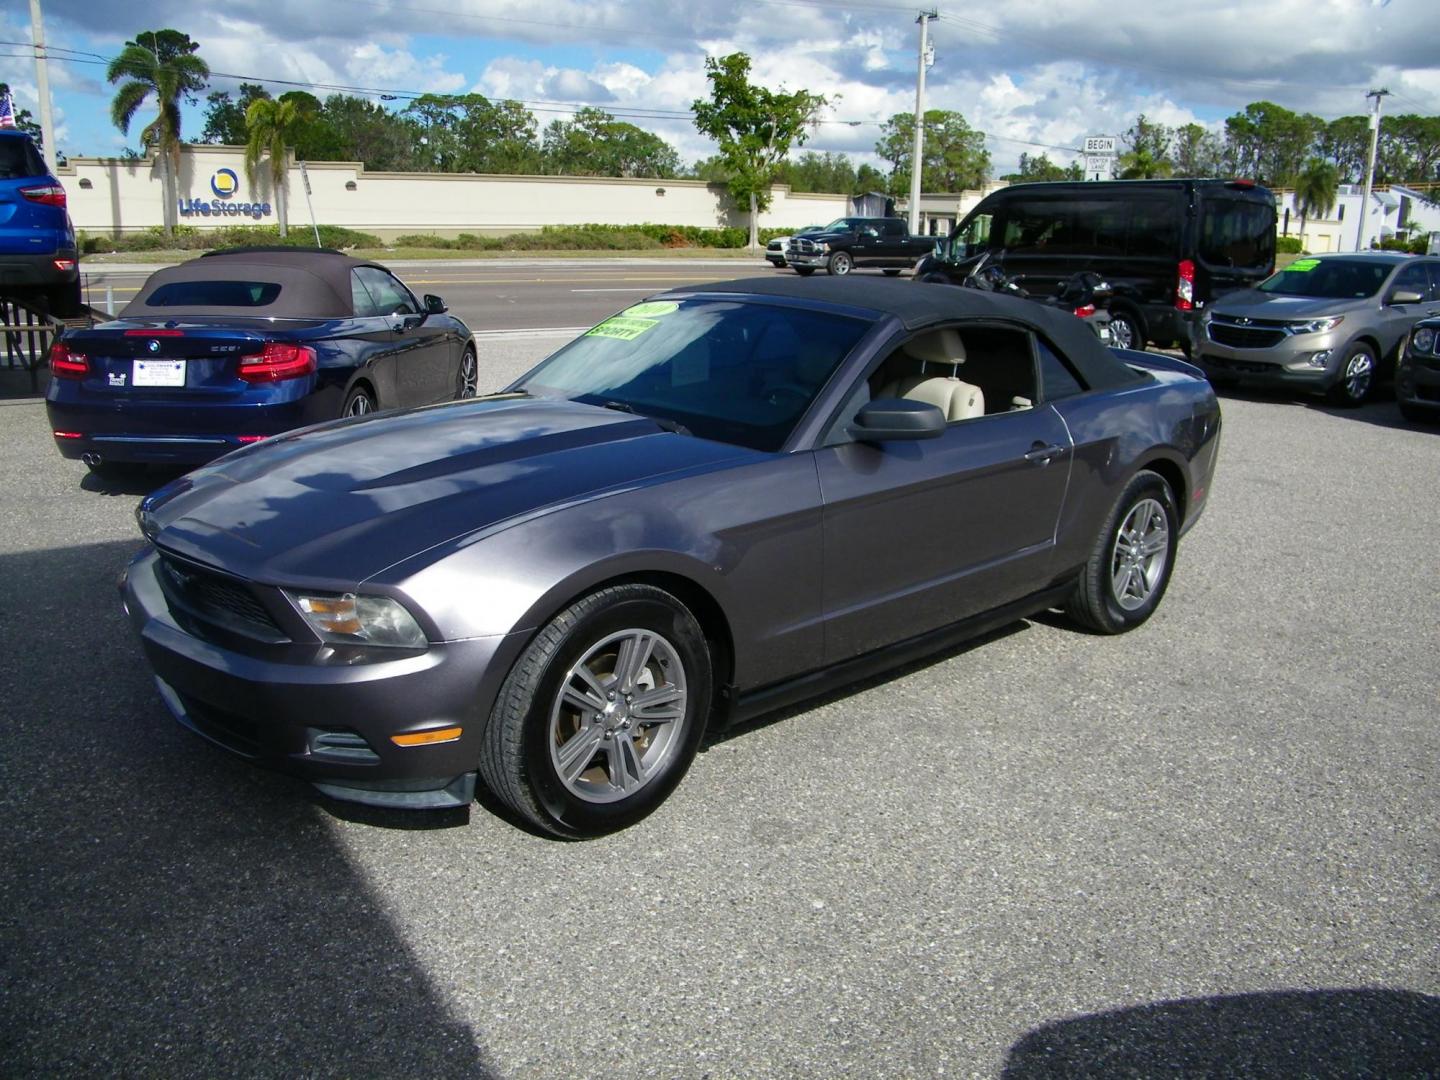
{"type": "Point", "coordinates": [1417, 380]}
{"type": "Point", "coordinates": [1309, 361]}
{"type": "Point", "coordinates": [331, 724]}
{"type": "Point", "coordinates": [816, 260]}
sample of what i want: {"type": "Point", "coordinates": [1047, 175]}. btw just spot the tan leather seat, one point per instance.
{"type": "Point", "coordinates": [941, 352]}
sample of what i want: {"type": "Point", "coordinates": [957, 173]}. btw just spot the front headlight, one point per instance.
{"type": "Point", "coordinates": [1424, 340]}
{"type": "Point", "coordinates": [1317, 326]}
{"type": "Point", "coordinates": [822, 246]}
{"type": "Point", "coordinates": [360, 620]}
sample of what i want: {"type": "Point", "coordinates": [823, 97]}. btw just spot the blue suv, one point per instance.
{"type": "Point", "coordinates": [38, 255]}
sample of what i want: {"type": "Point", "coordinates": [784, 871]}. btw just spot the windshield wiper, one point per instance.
{"type": "Point", "coordinates": [661, 421]}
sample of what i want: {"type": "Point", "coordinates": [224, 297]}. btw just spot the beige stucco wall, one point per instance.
{"type": "Point", "coordinates": [126, 196]}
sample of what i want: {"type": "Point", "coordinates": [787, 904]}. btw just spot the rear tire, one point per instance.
{"type": "Point", "coordinates": [359, 402]}
{"type": "Point", "coordinates": [569, 746]}
{"type": "Point", "coordinates": [1125, 332]}
{"type": "Point", "coordinates": [1129, 567]}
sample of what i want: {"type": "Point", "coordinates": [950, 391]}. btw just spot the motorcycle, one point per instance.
{"type": "Point", "coordinates": [1085, 295]}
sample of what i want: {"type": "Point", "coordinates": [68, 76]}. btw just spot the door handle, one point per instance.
{"type": "Point", "coordinates": [1042, 453]}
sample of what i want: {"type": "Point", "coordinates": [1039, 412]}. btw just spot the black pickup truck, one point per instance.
{"type": "Point", "coordinates": [858, 241]}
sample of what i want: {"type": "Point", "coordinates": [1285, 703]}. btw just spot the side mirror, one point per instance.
{"type": "Point", "coordinates": [434, 305]}
{"type": "Point", "coordinates": [1404, 296]}
{"type": "Point", "coordinates": [895, 419]}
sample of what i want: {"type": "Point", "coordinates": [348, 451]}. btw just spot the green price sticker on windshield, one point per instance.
{"type": "Point", "coordinates": [622, 328]}
{"type": "Point", "coordinates": [1301, 266]}
{"type": "Point", "coordinates": [652, 310]}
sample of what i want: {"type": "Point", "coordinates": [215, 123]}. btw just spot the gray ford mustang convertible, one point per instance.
{"type": "Point", "coordinates": [720, 501]}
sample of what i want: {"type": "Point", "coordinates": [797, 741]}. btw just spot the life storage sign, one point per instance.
{"type": "Point", "coordinates": [224, 183]}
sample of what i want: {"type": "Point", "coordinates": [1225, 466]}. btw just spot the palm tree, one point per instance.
{"type": "Point", "coordinates": [1142, 164]}
{"type": "Point", "coordinates": [160, 63]}
{"type": "Point", "coordinates": [1316, 189]}
{"type": "Point", "coordinates": [273, 125]}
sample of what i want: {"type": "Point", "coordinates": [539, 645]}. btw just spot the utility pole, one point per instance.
{"type": "Point", "coordinates": [1378, 95]}
{"type": "Point", "coordinates": [42, 84]}
{"type": "Point", "coordinates": [917, 148]}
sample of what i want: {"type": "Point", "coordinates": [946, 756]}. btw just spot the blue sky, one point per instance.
{"type": "Point", "coordinates": [1036, 76]}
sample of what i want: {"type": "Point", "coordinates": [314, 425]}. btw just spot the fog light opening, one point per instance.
{"type": "Point", "coordinates": [1318, 359]}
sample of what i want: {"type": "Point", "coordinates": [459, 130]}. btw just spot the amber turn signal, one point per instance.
{"type": "Point", "coordinates": [425, 738]}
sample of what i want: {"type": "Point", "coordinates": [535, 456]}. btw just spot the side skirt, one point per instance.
{"type": "Point", "coordinates": [754, 703]}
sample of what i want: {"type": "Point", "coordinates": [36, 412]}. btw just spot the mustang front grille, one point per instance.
{"type": "Point", "coordinates": [217, 599]}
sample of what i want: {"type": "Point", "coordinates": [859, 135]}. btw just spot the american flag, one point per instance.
{"type": "Point", "coordinates": [7, 111]}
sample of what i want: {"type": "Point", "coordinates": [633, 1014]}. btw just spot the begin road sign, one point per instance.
{"type": "Point", "coordinates": [1100, 144]}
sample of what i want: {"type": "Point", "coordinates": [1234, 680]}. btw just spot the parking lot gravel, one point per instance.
{"type": "Point", "coordinates": [1206, 847]}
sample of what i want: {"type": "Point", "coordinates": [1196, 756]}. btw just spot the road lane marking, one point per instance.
{"type": "Point", "coordinates": [632, 288]}
{"type": "Point", "coordinates": [528, 332]}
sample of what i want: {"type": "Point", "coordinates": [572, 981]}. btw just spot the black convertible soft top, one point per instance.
{"type": "Point", "coordinates": [918, 305]}
{"type": "Point", "coordinates": [314, 283]}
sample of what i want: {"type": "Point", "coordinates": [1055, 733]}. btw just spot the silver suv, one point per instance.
{"type": "Point", "coordinates": [1331, 323]}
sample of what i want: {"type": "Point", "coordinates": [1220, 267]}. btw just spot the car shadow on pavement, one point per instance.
{"type": "Point", "coordinates": [164, 909]}
{"type": "Point", "coordinates": [1287, 1033]}
{"type": "Point", "coordinates": [141, 480]}
{"type": "Point", "coordinates": [1381, 410]}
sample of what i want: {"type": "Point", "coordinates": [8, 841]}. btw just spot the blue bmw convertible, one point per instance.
{"type": "Point", "coordinates": [241, 344]}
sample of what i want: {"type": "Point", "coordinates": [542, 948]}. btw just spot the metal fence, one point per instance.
{"type": "Point", "coordinates": [28, 333]}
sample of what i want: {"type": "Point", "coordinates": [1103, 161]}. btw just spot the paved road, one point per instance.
{"type": "Point", "coordinates": [1204, 848]}
{"type": "Point", "coordinates": [507, 295]}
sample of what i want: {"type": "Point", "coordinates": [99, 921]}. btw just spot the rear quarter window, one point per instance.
{"type": "Point", "coordinates": [1057, 380]}
{"type": "Point", "coordinates": [19, 159]}
{"type": "Point", "coordinates": [230, 294]}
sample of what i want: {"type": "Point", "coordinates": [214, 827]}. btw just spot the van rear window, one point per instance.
{"type": "Point", "coordinates": [1239, 234]}
{"type": "Point", "coordinates": [229, 294]}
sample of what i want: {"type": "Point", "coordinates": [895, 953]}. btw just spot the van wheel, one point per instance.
{"type": "Point", "coordinates": [1125, 332]}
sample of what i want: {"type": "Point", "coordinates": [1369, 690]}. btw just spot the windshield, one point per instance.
{"type": "Point", "coordinates": [1333, 278]}
{"type": "Point", "coordinates": [733, 371]}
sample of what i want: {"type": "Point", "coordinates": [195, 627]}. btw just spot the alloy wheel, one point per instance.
{"type": "Point", "coordinates": [619, 716]}
{"type": "Point", "coordinates": [469, 375]}
{"type": "Point", "coordinates": [1359, 372]}
{"type": "Point", "coordinates": [1142, 550]}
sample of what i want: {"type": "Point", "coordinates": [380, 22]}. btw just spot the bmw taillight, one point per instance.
{"type": "Point", "coordinates": [45, 194]}
{"type": "Point", "coordinates": [1185, 286]}
{"type": "Point", "coordinates": [67, 364]}
{"type": "Point", "coordinates": [278, 360]}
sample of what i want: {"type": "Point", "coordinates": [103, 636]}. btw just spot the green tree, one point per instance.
{"type": "Point", "coordinates": [812, 171]}
{"type": "Point", "coordinates": [868, 179]}
{"type": "Point", "coordinates": [1316, 189]}
{"type": "Point", "coordinates": [1147, 151]}
{"type": "Point", "coordinates": [1196, 152]}
{"type": "Point", "coordinates": [955, 154]}
{"type": "Point", "coordinates": [754, 126]}
{"type": "Point", "coordinates": [1409, 148]}
{"type": "Point", "coordinates": [1271, 144]}
{"type": "Point", "coordinates": [1346, 142]}
{"type": "Point", "coordinates": [361, 130]}
{"type": "Point", "coordinates": [594, 143]}
{"type": "Point", "coordinates": [1040, 168]}
{"type": "Point", "coordinates": [271, 126]}
{"type": "Point", "coordinates": [471, 133]}
{"type": "Point", "coordinates": [225, 117]}
{"type": "Point", "coordinates": [27, 123]}
{"type": "Point", "coordinates": [160, 64]}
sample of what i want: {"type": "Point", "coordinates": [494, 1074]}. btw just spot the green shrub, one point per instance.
{"type": "Point", "coordinates": [1287, 245]}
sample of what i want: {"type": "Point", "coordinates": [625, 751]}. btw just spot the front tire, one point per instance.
{"type": "Point", "coordinates": [839, 264]}
{"type": "Point", "coordinates": [1129, 568]}
{"type": "Point", "coordinates": [1357, 377]}
{"type": "Point", "coordinates": [359, 402]}
{"type": "Point", "coordinates": [600, 717]}
{"type": "Point", "coordinates": [804, 271]}
{"type": "Point", "coordinates": [467, 378]}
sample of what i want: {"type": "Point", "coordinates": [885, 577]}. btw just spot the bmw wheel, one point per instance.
{"type": "Point", "coordinates": [1129, 568]}
{"type": "Point", "coordinates": [600, 717]}
{"type": "Point", "coordinates": [1357, 377]}
{"type": "Point", "coordinates": [839, 264]}
{"type": "Point", "coordinates": [359, 402]}
{"type": "Point", "coordinates": [468, 377]}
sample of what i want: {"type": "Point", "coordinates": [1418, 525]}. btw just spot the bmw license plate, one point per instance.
{"type": "Point", "coordinates": [158, 373]}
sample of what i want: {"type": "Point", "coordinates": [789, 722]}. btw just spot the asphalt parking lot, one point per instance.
{"type": "Point", "coordinates": [1207, 847]}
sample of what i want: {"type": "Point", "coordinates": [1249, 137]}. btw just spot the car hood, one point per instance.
{"type": "Point", "coordinates": [337, 504]}
{"type": "Point", "coordinates": [1254, 304]}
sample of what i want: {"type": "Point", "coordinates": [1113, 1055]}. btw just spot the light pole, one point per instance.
{"type": "Point", "coordinates": [42, 84]}
{"type": "Point", "coordinates": [917, 148]}
{"type": "Point", "coordinates": [1378, 95]}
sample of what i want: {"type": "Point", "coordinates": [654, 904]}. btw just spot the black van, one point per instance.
{"type": "Point", "coordinates": [1167, 247]}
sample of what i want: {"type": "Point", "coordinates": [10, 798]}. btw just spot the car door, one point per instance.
{"type": "Point", "coordinates": [423, 366]}
{"type": "Point", "coordinates": [1397, 319]}
{"type": "Point", "coordinates": [926, 533]}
